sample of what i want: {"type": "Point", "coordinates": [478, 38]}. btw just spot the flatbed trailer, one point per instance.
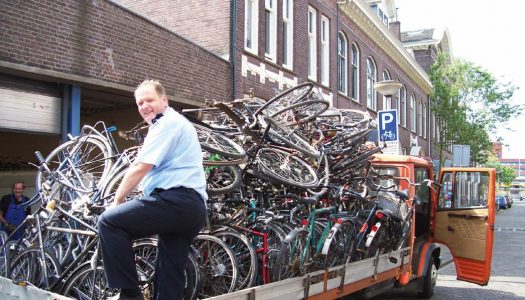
{"type": "Point", "coordinates": [331, 283]}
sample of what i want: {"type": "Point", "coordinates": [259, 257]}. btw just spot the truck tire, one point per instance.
{"type": "Point", "coordinates": [430, 279]}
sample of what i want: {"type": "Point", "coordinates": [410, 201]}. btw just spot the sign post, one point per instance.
{"type": "Point", "coordinates": [387, 131]}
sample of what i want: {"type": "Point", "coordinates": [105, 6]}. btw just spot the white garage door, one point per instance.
{"type": "Point", "coordinates": [29, 106]}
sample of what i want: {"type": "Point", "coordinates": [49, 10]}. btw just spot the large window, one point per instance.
{"type": "Point", "coordinates": [355, 72]}
{"type": "Point", "coordinates": [413, 113]}
{"type": "Point", "coordinates": [462, 190]}
{"type": "Point", "coordinates": [387, 101]}
{"type": "Point", "coordinates": [312, 44]}
{"type": "Point", "coordinates": [270, 29]}
{"type": "Point", "coordinates": [251, 24]}
{"type": "Point", "coordinates": [325, 50]}
{"type": "Point", "coordinates": [424, 120]}
{"type": "Point", "coordinates": [420, 117]}
{"type": "Point", "coordinates": [403, 107]}
{"type": "Point", "coordinates": [341, 63]}
{"type": "Point", "coordinates": [371, 78]}
{"type": "Point", "coordinates": [288, 34]}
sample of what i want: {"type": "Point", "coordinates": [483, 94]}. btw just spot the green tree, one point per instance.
{"type": "Point", "coordinates": [469, 104]}
{"type": "Point", "coordinates": [506, 174]}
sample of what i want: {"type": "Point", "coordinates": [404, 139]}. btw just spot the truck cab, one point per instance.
{"type": "Point", "coordinates": [456, 213]}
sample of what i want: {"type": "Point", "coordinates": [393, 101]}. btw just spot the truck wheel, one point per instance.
{"type": "Point", "coordinates": [429, 281]}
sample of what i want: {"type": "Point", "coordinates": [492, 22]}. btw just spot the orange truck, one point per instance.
{"type": "Point", "coordinates": [456, 212]}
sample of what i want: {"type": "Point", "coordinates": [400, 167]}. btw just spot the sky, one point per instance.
{"type": "Point", "coordinates": [487, 33]}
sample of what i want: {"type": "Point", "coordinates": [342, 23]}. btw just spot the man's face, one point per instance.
{"type": "Point", "coordinates": [150, 103]}
{"type": "Point", "coordinates": [18, 189]}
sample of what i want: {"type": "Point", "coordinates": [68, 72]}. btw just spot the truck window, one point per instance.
{"type": "Point", "coordinates": [469, 189]}
{"type": "Point", "coordinates": [423, 209]}
{"type": "Point", "coordinates": [392, 171]}
{"type": "Point", "coordinates": [422, 191]}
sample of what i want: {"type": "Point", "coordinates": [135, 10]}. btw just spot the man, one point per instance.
{"type": "Point", "coordinates": [169, 168]}
{"type": "Point", "coordinates": [12, 210]}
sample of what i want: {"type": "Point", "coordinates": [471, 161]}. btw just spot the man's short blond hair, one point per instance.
{"type": "Point", "coordinates": [153, 83]}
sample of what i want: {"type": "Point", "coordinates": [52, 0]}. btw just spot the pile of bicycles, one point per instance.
{"type": "Point", "coordinates": [291, 190]}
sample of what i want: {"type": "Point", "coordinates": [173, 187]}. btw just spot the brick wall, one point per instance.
{"type": "Point", "coordinates": [98, 39]}
{"type": "Point", "coordinates": [206, 23]}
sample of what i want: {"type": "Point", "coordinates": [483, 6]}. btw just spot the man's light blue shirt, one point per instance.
{"type": "Point", "coordinates": [172, 146]}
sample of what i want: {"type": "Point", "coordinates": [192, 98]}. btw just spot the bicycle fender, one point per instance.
{"type": "Point", "coordinates": [329, 238]}
{"type": "Point", "coordinates": [291, 235]}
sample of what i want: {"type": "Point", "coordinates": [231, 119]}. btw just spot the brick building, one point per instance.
{"type": "Point", "coordinates": [77, 62]}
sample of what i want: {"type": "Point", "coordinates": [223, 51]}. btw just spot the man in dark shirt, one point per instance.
{"type": "Point", "coordinates": [12, 210]}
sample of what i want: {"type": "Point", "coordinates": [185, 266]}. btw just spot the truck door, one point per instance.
{"type": "Point", "coordinates": [464, 220]}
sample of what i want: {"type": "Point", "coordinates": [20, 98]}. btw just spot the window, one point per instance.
{"type": "Point", "coordinates": [403, 107]}
{"type": "Point", "coordinates": [270, 29]}
{"type": "Point", "coordinates": [251, 23]}
{"type": "Point", "coordinates": [413, 113]}
{"type": "Point", "coordinates": [355, 72]}
{"type": "Point", "coordinates": [424, 120]}
{"type": "Point", "coordinates": [387, 101]}
{"type": "Point", "coordinates": [420, 117]}
{"type": "Point", "coordinates": [462, 190]}
{"type": "Point", "coordinates": [312, 44]}
{"type": "Point", "coordinates": [288, 34]}
{"type": "Point", "coordinates": [371, 78]}
{"type": "Point", "coordinates": [398, 105]}
{"type": "Point", "coordinates": [341, 63]}
{"type": "Point", "coordinates": [325, 50]}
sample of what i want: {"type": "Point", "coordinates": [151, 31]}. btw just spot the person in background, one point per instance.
{"type": "Point", "coordinates": [13, 211]}
{"type": "Point", "coordinates": [170, 171]}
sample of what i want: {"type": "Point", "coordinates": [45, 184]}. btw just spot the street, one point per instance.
{"type": "Point", "coordinates": [508, 266]}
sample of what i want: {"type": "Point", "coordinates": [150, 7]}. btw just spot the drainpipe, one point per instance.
{"type": "Point", "coordinates": [233, 46]}
{"type": "Point", "coordinates": [337, 54]}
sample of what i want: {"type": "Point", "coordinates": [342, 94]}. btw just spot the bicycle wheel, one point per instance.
{"type": "Point", "coordinates": [29, 267]}
{"type": "Point", "coordinates": [222, 179]}
{"type": "Point", "coordinates": [301, 112]}
{"type": "Point", "coordinates": [288, 136]}
{"type": "Point", "coordinates": [245, 254]}
{"type": "Point", "coordinates": [216, 142]}
{"type": "Point", "coordinates": [288, 263]}
{"type": "Point", "coordinates": [87, 283]}
{"type": "Point", "coordinates": [285, 99]}
{"type": "Point", "coordinates": [112, 186]}
{"type": "Point", "coordinates": [286, 168]}
{"type": "Point", "coordinates": [60, 244]}
{"type": "Point", "coordinates": [89, 157]}
{"type": "Point", "coordinates": [355, 118]}
{"type": "Point", "coordinates": [218, 264]}
{"type": "Point", "coordinates": [341, 244]}
{"type": "Point", "coordinates": [145, 251]}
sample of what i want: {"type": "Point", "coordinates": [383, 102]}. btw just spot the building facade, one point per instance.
{"type": "Point", "coordinates": [77, 62]}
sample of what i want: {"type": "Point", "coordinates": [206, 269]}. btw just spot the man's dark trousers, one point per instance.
{"type": "Point", "coordinates": [176, 215]}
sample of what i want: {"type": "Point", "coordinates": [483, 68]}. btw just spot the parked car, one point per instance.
{"type": "Point", "coordinates": [496, 203]}
{"type": "Point", "coordinates": [502, 202]}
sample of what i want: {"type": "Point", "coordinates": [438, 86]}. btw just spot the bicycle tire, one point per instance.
{"type": "Point", "coordinates": [341, 244]}
{"type": "Point", "coordinates": [286, 98]}
{"type": "Point", "coordinates": [288, 262]}
{"type": "Point", "coordinates": [91, 157]}
{"type": "Point", "coordinates": [218, 264]}
{"type": "Point", "coordinates": [218, 143]}
{"type": "Point", "coordinates": [222, 179]}
{"type": "Point", "coordinates": [245, 253]}
{"type": "Point", "coordinates": [285, 168]}
{"type": "Point", "coordinates": [87, 283]}
{"type": "Point", "coordinates": [289, 137]}
{"type": "Point", "coordinates": [301, 112]}
{"type": "Point", "coordinates": [112, 186]}
{"type": "Point", "coordinates": [27, 267]}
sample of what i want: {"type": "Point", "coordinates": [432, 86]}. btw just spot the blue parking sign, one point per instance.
{"type": "Point", "coordinates": [387, 125]}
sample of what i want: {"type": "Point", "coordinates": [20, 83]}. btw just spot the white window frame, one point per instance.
{"type": "Point", "coordinates": [413, 113]}
{"type": "Point", "coordinates": [288, 34]}
{"type": "Point", "coordinates": [387, 102]}
{"type": "Point", "coordinates": [398, 106]}
{"type": "Point", "coordinates": [342, 59]}
{"type": "Point", "coordinates": [251, 26]}
{"type": "Point", "coordinates": [371, 98]}
{"type": "Point", "coordinates": [403, 110]}
{"type": "Point", "coordinates": [424, 120]}
{"type": "Point", "coordinates": [325, 51]}
{"type": "Point", "coordinates": [420, 117]}
{"type": "Point", "coordinates": [355, 72]}
{"type": "Point", "coordinates": [312, 43]}
{"type": "Point", "coordinates": [270, 41]}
